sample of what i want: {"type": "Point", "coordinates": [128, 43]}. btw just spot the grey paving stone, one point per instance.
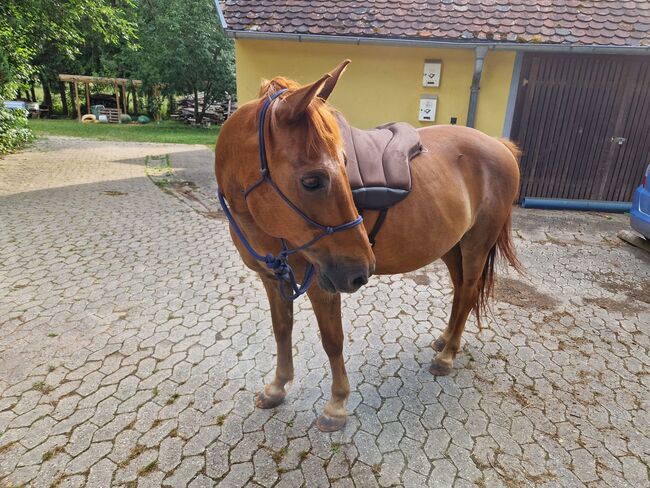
{"type": "Point", "coordinates": [187, 470]}
{"type": "Point", "coordinates": [101, 473]}
{"type": "Point", "coordinates": [238, 476]}
{"type": "Point", "coordinates": [136, 340]}
{"type": "Point", "coordinates": [88, 458]}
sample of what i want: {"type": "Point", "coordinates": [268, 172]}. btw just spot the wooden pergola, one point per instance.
{"type": "Point", "coordinates": [119, 84]}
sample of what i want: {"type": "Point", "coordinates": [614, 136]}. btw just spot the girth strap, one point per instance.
{"type": "Point", "coordinates": [372, 235]}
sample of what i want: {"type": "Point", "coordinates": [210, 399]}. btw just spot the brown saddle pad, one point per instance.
{"type": "Point", "coordinates": [378, 162]}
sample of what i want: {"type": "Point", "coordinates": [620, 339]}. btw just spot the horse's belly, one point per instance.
{"type": "Point", "coordinates": [415, 235]}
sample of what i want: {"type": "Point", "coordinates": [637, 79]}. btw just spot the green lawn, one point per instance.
{"type": "Point", "coordinates": [167, 131]}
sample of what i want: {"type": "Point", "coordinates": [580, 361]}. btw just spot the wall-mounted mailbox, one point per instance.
{"type": "Point", "coordinates": [428, 105]}
{"type": "Point", "coordinates": [432, 69]}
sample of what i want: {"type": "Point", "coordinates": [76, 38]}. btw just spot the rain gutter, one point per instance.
{"type": "Point", "coordinates": [449, 44]}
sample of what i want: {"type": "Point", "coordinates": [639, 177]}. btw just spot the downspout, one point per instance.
{"type": "Point", "coordinates": [480, 53]}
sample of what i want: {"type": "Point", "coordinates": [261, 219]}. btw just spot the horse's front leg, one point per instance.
{"type": "Point", "coordinates": [282, 316]}
{"type": "Point", "coordinates": [327, 308]}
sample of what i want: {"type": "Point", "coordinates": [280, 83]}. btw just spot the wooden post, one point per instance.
{"type": "Point", "coordinates": [87, 98]}
{"type": "Point", "coordinates": [71, 87]}
{"type": "Point", "coordinates": [77, 103]}
{"type": "Point", "coordinates": [117, 99]}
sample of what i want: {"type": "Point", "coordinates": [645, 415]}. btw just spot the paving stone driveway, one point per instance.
{"type": "Point", "coordinates": [132, 342]}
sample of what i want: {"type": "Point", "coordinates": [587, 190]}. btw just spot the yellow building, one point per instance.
{"type": "Point", "coordinates": [383, 83]}
{"type": "Point", "coordinates": [537, 75]}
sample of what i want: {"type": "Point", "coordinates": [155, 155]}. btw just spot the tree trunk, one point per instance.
{"type": "Point", "coordinates": [125, 102]}
{"type": "Point", "coordinates": [172, 104]}
{"type": "Point", "coordinates": [47, 90]}
{"type": "Point", "coordinates": [197, 114]}
{"type": "Point", "coordinates": [136, 109]}
{"type": "Point", "coordinates": [32, 90]}
{"type": "Point", "coordinates": [207, 100]}
{"type": "Point", "coordinates": [204, 108]}
{"type": "Point", "coordinates": [64, 99]}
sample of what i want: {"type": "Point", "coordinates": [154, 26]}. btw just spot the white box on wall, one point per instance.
{"type": "Point", "coordinates": [428, 106]}
{"type": "Point", "coordinates": [432, 71]}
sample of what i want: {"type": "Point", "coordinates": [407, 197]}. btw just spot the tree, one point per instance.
{"type": "Point", "coordinates": [183, 47]}
{"type": "Point", "coordinates": [39, 37]}
{"type": "Point", "coordinates": [173, 45]}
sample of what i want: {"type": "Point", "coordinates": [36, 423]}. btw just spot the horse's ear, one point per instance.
{"type": "Point", "coordinates": [264, 86]}
{"type": "Point", "coordinates": [295, 105]}
{"type": "Point", "coordinates": [331, 82]}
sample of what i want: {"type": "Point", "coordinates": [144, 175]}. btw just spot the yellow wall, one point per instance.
{"type": "Point", "coordinates": [383, 83]}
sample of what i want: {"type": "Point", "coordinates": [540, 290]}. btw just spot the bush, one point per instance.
{"type": "Point", "coordinates": [14, 132]}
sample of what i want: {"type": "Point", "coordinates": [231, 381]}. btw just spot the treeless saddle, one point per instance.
{"type": "Point", "coordinates": [378, 165]}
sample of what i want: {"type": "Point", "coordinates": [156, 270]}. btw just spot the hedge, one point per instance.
{"type": "Point", "coordinates": [14, 132]}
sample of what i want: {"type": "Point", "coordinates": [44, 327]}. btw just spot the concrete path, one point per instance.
{"type": "Point", "coordinates": [133, 340]}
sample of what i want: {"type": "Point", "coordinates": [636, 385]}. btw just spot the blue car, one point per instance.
{"type": "Point", "coordinates": [640, 213]}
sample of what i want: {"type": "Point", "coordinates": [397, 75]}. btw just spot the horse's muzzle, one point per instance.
{"type": "Point", "coordinates": [343, 276]}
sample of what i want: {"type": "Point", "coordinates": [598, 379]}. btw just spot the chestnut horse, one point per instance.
{"type": "Point", "coordinates": [463, 187]}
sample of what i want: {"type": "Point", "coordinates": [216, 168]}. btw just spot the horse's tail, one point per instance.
{"type": "Point", "coordinates": [512, 147]}
{"type": "Point", "coordinates": [504, 251]}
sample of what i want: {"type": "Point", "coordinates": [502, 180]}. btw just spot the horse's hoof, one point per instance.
{"type": "Point", "coordinates": [262, 400]}
{"type": "Point", "coordinates": [438, 369]}
{"type": "Point", "coordinates": [439, 344]}
{"type": "Point", "coordinates": [325, 423]}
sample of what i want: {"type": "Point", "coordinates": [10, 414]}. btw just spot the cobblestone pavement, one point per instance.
{"type": "Point", "coordinates": [132, 342]}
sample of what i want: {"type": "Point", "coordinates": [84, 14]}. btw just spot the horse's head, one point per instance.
{"type": "Point", "coordinates": [306, 162]}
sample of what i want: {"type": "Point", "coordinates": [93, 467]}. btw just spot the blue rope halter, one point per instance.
{"type": "Point", "coordinates": [279, 263]}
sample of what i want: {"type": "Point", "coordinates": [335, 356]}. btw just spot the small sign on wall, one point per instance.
{"type": "Point", "coordinates": [432, 70]}
{"type": "Point", "coordinates": [428, 106]}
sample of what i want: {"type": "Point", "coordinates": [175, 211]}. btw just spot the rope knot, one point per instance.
{"type": "Point", "coordinates": [278, 265]}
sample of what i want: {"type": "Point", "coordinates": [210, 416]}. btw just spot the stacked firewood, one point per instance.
{"type": "Point", "coordinates": [216, 113]}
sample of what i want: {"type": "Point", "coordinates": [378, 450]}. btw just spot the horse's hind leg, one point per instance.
{"type": "Point", "coordinates": [327, 308]}
{"type": "Point", "coordinates": [467, 288]}
{"type": "Point", "coordinates": [454, 262]}
{"type": "Point", "coordinates": [282, 316]}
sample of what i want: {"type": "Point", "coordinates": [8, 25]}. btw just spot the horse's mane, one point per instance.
{"type": "Point", "coordinates": [323, 134]}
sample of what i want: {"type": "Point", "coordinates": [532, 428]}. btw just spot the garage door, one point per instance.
{"type": "Point", "coordinates": [583, 122]}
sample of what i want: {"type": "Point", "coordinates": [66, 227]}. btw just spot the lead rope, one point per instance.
{"type": "Point", "coordinates": [279, 264]}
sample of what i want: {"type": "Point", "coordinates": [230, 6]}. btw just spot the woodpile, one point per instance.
{"type": "Point", "coordinates": [216, 113]}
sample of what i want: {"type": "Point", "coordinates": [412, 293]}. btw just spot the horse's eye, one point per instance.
{"type": "Point", "coordinates": [312, 182]}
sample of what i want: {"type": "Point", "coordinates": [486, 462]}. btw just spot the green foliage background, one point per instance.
{"type": "Point", "coordinates": [174, 44]}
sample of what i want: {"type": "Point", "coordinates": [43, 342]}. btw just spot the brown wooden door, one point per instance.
{"type": "Point", "coordinates": [583, 122]}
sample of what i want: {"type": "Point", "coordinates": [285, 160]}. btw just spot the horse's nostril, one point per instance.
{"type": "Point", "coordinates": [359, 281]}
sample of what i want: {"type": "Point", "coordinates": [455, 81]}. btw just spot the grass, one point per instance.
{"type": "Point", "coordinates": [53, 452]}
{"type": "Point", "coordinates": [278, 455]}
{"type": "Point", "coordinates": [167, 131]}
{"type": "Point", "coordinates": [173, 398]}
{"type": "Point", "coordinates": [148, 468]}
{"type": "Point", "coordinates": [42, 387]}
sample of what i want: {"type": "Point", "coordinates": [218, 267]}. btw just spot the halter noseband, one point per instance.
{"type": "Point", "coordinates": [279, 264]}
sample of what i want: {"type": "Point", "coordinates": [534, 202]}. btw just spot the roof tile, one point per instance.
{"type": "Point", "coordinates": [574, 22]}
